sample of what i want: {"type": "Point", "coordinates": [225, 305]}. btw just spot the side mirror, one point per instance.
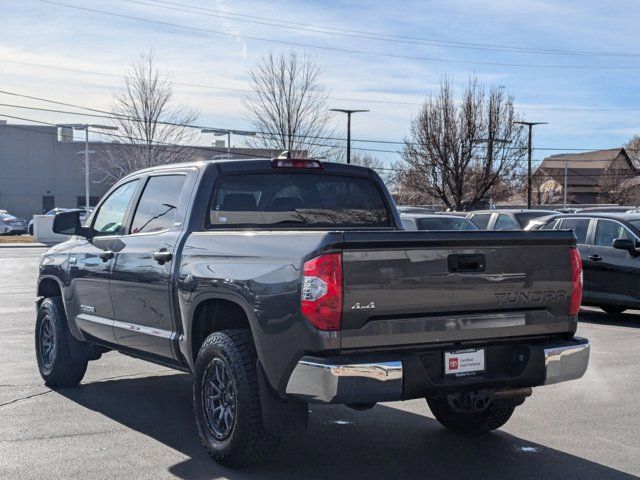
{"type": "Point", "coordinates": [68, 223]}
{"type": "Point", "coordinates": [628, 245]}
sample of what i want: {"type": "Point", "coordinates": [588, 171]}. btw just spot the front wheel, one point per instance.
{"type": "Point", "coordinates": [468, 422]}
{"type": "Point", "coordinates": [59, 360]}
{"type": "Point", "coordinates": [227, 402]}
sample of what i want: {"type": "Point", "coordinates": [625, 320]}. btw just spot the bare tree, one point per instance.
{"type": "Point", "coordinates": [633, 150]}
{"type": "Point", "coordinates": [386, 172]}
{"type": "Point", "coordinates": [288, 105]}
{"type": "Point", "coordinates": [614, 184]}
{"type": "Point", "coordinates": [151, 130]}
{"type": "Point", "coordinates": [463, 151]}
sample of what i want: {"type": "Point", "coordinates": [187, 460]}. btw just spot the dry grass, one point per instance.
{"type": "Point", "coordinates": [16, 239]}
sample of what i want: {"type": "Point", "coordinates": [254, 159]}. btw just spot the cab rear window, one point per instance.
{"type": "Point", "coordinates": [312, 200]}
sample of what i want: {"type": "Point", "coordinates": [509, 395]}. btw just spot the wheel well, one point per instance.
{"type": "Point", "coordinates": [49, 288]}
{"type": "Point", "coordinates": [214, 315]}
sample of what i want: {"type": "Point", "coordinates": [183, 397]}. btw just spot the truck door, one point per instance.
{"type": "Point", "coordinates": [613, 273]}
{"type": "Point", "coordinates": [90, 264]}
{"type": "Point", "coordinates": [141, 278]}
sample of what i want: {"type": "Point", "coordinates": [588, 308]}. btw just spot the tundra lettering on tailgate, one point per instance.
{"type": "Point", "coordinates": [524, 297]}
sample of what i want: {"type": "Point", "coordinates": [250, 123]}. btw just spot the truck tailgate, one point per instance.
{"type": "Point", "coordinates": [405, 288]}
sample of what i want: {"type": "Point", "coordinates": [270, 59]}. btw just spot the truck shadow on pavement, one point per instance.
{"type": "Point", "coordinates": [383, 442]}
{"type": "Point", "coordinates": [601, 318]}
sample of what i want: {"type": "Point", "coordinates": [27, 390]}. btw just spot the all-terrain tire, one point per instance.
{"type": "Point", "coordinates": [468, 422]}
{"type": "Point", "coordinates": [59, 356]}
{"type": "Point", "coordinates": [246, 441]}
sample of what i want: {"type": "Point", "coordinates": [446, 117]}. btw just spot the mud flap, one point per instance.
{"type": "Point", "coordinates": [279, 415]}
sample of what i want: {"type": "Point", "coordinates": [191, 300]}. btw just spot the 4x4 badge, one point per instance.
{"type": "Point", "coordinates": [358, 306]}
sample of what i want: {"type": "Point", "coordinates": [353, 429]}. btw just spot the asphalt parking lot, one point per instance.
{"type": "Point", "coordinates": [131, 419]}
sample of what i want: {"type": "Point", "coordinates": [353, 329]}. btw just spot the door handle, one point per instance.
{"type": "Point", "coordinates": [162, 256]}
{"type": "Point", "coordinates": [595, 258]}
{"type": "Point", "coordinates": [106, 256]}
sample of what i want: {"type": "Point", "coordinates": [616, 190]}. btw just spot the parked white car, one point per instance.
{"type": "Point", "coordinates": [10, 225]}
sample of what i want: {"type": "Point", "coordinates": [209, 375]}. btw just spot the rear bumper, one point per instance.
{"type": "Point", "coordinates": [365, 379]}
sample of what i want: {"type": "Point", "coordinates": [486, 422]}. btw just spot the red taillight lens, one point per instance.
{"type": "Point", "coordinates": [321, 297]}
{"type": "Point", "coordinates": [576, 281]}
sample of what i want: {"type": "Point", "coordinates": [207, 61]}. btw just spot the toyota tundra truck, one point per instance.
{"type": "Point", "coordinates": [280, 283]}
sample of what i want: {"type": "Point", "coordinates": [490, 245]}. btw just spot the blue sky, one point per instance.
{"type": "Point", "coordinates": [517, 44]}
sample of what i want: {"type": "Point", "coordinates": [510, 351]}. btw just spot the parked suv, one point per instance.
{"type": "Point", "coordinates": [609, 245]}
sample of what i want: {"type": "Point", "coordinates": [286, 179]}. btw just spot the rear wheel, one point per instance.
{"type": "Point", "coordinates": [226, 400]}
{"type": "Point", "coordinates": [468, 421]}
{"type": "Point", "coordinates": [613, 310]}
{"type": "Point", "coordinates": [60, 358]}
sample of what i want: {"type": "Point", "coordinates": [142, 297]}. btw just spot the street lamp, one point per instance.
{"type": "Point", "coordinates": [530, 125]}
{"type": "Point", "coordinates": [348, 112]}
{"type": "Point", "coordinates": [218, 132]}
{"type": "Point", "coordinates": [86, 127]}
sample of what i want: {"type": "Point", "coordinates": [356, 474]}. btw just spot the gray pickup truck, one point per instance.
{"type": "Point", "coordinates": [278, 283]}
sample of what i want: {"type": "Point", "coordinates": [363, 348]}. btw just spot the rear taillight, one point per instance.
{"type": "Point", "coordinates": [576, 281]}
{"type": "Point", "coordinates": [321, 297]}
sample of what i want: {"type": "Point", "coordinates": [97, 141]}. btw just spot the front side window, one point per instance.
{"type": "Point", "coordinates": [303, 199]}
{"type": "Point", "coordinates": [505, 222]}
{"type": "Point", "coordinates": [110, 217]}
{"type": "Point", "coordinates": [580, 226]}
{"type": "Point", "coordinates": [481, 220]}
{"type": "Point", "coordinates": [158, 204]}
{"type": "Point", "coordinates": [607, 231]}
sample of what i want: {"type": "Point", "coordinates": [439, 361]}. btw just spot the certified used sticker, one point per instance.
{"type": "Point", "coordinates": [464, 362]}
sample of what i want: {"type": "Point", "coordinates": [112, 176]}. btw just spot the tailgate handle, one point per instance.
{"type": "Point", "coordinates": [466, 263]}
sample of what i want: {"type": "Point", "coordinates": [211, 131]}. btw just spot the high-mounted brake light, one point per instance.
{"type": "Point", "coordinates": [321, 296]}
{"type": "Point", "coordinates": [576, 281]}
{"type": "Point", "coordinates": [295, 163]}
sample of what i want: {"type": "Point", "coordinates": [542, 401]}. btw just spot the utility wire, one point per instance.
{"type": "Point", "coordinates": [111, 115]}
{"type": "Point", "coordinates": [328, 30]}
{"type": "Point", "coordinates": [336, 49]}
{"type": "Point", "coordinates": [341, 99]}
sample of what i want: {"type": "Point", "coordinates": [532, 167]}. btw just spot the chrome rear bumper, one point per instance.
{"type": "Point", "coordinates": [342, 380]}
{"type": "Point", "coordinates": [318, 380]}
{"type": "Point", "coordinates": [566, 362]}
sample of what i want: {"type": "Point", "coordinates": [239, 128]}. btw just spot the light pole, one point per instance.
{"type": "Point", "coordinates": [223, 131]}
{"type": "Point", "coordinates": [86, 127]}
{"type": "Point", "coordinates": [348, 112]}
{"type": "Point", "coordinates": [530, 125]}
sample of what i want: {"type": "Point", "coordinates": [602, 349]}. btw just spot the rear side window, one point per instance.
{"type": "Point", "coordinates": [409, 223]}
{"type": "Point", "coordinates": [446, 224]}
{"type": "Point", "coordinates": [481, 220]}
{"type": "Point", "coordinates": [302, 199]}
{"type": "Point", "coordinates": [578, 225]}
{"type": "Point", "coordinates": [505, 222]}
{"type": "Point", "coordinates": [158, 204]}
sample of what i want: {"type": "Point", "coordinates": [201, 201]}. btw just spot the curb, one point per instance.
{"type": "Point", "coordinates": [23, 245]}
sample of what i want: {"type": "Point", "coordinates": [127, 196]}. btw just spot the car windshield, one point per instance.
{"type": "Point", "coordinates": [635, 223]}
{"type": "Point", "coordinates": [446, 223]}
{"type": "Point", "coordinates": [305, 199]}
